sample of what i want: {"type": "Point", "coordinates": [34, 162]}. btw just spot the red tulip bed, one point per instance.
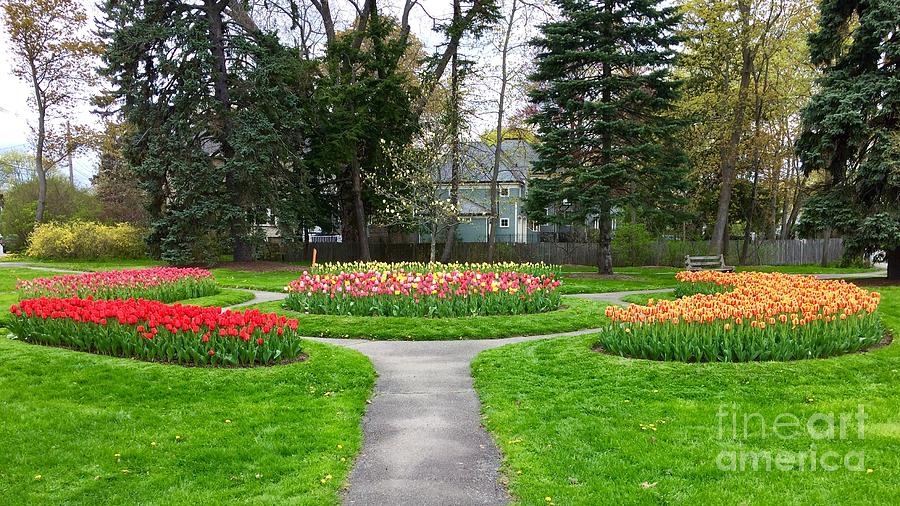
{"type": "Point", "coordinates": [429, 294]}
{"type": "Point", "coordinates": [155, 331]}
{"type": "Point", "coordinates": [166, 284]}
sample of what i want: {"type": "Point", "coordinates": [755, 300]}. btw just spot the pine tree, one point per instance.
{"type": "Point", "coordinates": [604, 95]}
{"type": "Point", "coordinates": [215, 114]}
{"type": "Point", "coordinates": [851, 126]}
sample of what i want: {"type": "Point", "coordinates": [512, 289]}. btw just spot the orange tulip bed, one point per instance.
{"type": "Point", "coordinates": [754, 316]}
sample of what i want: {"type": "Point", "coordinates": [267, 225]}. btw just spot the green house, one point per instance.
{"type": "Point", "coordinates": [476, 166]}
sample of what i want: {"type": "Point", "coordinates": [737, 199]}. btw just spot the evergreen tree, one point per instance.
{"type": "Point", "coordinates": [215, 114]}
{"type": "Point", "coordinates": [603, 95]}
{"type": "Point", "coordinates": [851, 126]}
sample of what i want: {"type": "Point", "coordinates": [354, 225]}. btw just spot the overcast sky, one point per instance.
{"type": "Point", "coordinates": [16, 114]}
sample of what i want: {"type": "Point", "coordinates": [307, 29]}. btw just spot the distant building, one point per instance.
{"type": "Point", "coordinates": [476, 167]}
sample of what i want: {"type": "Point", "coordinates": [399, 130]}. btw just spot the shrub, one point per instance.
{"type": "Point", "coordinates": [166, 284]}
{"type": "Point", "coordinates": [767, 316]}
{"type": "Point", "coordinates": [86, 240]}
{"type": "Point", "coordinates": [434, 294]}
{"type": "Point", "coordinates": [152, 330]}
{"type": "Point", "coordinates": [64, 203]}
{"type": "Point", "coordinates": [631, 244]}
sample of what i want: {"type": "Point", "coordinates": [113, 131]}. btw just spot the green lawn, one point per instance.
{"type": "Point", "coordinates": [9, 276]}
{"type": "Point", "coordinates": [226, 297]}
{"type": "Point", "coordinates": [77, 428]}
{"type": "Point", "coordinates": [805, 269]}
{"type": "Point", "coordinates": [626, 278]}
{"type": "Point", "coordinates": [271, 281]}
{"type": "Point", "coordinates": [93, 265]}
{"type": "Point", "coordinates": [647, 278]}
{"type": "Point", "coordinates": [569, 422]}
{"type": "Point", "coordinates": [575, 315]}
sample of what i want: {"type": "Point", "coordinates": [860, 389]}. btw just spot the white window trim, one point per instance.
{"type": "Point", "coordinates": [535, 226]}
{"type": "Point", "coordinates": [504, 220]}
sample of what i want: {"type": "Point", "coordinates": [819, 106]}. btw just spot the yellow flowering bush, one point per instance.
{"type": "Point", "coordinates": [85, 240]}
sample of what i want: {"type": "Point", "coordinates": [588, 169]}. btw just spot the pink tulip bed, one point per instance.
{"type": "Point", "coordinates": [429, 294]}
{"type": "Point", "coordinates": [165, 284]}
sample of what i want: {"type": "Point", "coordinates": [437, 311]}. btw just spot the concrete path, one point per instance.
{"type": "Point", "coordinates": [259, 296]}
{"type": "Point", "coordinates": [25, 265]}
{"type": "Point", "coordinates": [424, 442]}
{"type": "Point", "coordinates": [616, 297]}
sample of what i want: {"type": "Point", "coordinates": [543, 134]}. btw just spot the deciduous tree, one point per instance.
{"type": "Point", "coordinates": [53, 52]}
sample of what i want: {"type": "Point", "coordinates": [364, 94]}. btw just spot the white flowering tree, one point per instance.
{"type": "Point", "coordinates": [411, 196]}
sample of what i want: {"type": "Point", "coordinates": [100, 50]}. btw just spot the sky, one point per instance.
{"type": "Point", "coordinates": [16, 116]}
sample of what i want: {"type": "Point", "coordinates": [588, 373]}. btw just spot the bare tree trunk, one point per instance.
{"type": "Point", "coordinates": [730, 153]}
{"type": "Point", "coordinates": [604, 249]}
{"type": "Point", "coordinates": [745, 246]}
{"type": "Point", "coordinates": [795, 208]}
{"type": "Point", "coordinates": [604, 243]}
{"type": "Point", "coordinates": [826, 237]}
{"type": "Point", "coordinates": [757, 127]}
{"type": "Point", "coordinates": [359, 209]}
{"type": "Point", "coordinates": [39, 168]}
{"type": "Point", "coordinates": [69, 154]}
{"type": "Point", "coordinates": [39, 146]}
{"type": "Point", "coordinates": [498, 148]}
{"type": "Point", "coordinates": [432, 246]}
{"type": "Point", "coordinates": [604, 246]}
{"type": "Point", "coordinates": [893, 263]}
{"type": "Point", "coordinates": [454, 143]}
{"type": "Point", "coordinates": [241, 248]}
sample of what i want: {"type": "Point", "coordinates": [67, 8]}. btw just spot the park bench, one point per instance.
{"type": "Point", "coordinates": [706, 263]}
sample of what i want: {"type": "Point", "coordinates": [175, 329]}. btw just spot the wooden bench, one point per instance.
{"type": "Point", "coordinates": [710, 263]}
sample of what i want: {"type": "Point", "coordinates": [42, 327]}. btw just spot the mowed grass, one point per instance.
{"type": "Point", "coordinates": [575, 314]}
{"type": "Point", "coordinates": [9, 276]}
{"type": "Point", "coordinates": [226, 297]}
{"type": "Point", "coordinates": [569, 422]}
{"type": "Point", "coordinates": [270, 281]}
{"type": "Point", "coordinates": [575, 278]}
{"type": "Point", "coordinates": [77, 428]}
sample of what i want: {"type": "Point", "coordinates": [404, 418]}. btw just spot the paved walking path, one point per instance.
{"type": "Point", "coordinates": [424, 443]}
{"type": "Point", "coordinates": [26, 265]}
{"type": "Point", "coordinates": [259, 296]}
{"type": "Point", "coordinates": [423, 439]}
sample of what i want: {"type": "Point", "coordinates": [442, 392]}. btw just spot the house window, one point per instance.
{"type": "Point", "coordinates": [504, 222]}
{"type": "Point", "coordinates": [535, 226]}
{"type": "Point", "coordinates": [504, 192]}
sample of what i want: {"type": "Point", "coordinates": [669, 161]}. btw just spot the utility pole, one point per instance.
{"type": "Point", "coordinates": [69, 153]}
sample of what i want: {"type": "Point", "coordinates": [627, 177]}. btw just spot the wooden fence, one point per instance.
{"type": "Point", "coordinates": [662, 252]}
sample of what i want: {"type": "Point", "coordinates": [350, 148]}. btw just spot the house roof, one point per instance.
{"type": "Point", "coordinates": [469, 207]}
{"type": "Point", "coordinates": [477, 162]}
